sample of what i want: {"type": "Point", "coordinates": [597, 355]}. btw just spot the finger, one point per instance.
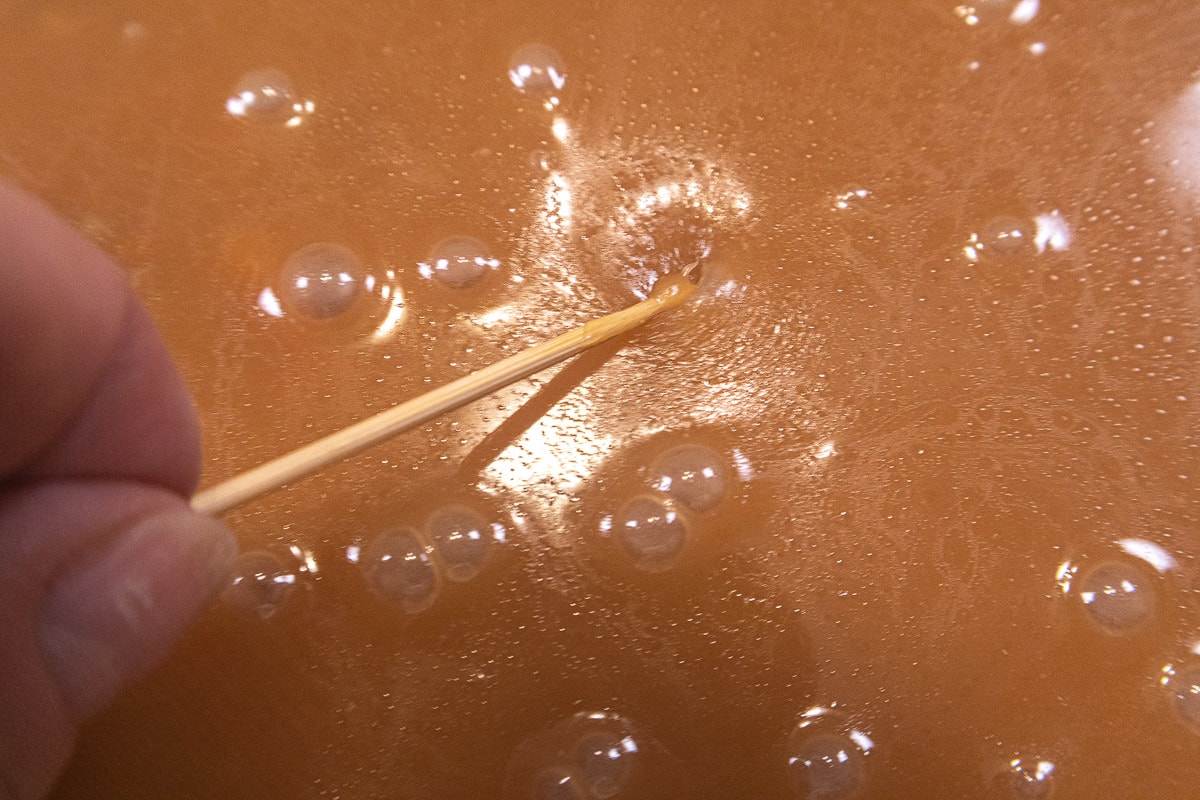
{"type": "Point", "coordinates": [62, 306]}
{"type": "Point", "coordinates": [87, 388]}
{"type": "Point", "coordinates": [126, 569]}
{"type": "Point", "coordinates": [138, 422]}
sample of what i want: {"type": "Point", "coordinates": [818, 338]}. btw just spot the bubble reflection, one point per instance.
{"type": "Point", "coordinates": [1025, 779]}
{"type": "Point", "coordinates": [1015, 12]}
{"type": "Point", "coordinates": [651, 532]}
{"type": "Point", "coordinates": [267, 97]}
{"type": "Point", "coordinates": [326, 283]}
{"type": "Point", "coordinates": [692, 474]}
{"type": "Point", "coordinates": [398, 569]}
{"type": "Point", "coordinates": [1117, 596]}
{"type": "Point", "coordinates": [260, 585]}
{"type": "Point", "coordinates": [462, 538]}
{"type": "Point", "coordinates": [458, 262]}
{"type": "Point", "coordinates": [1052, 232]}
{"type": "Point", "coordinates": [849, 198]}
{"type": "Point", "coordinates": [826, 756]}
{"type": "Point", "coordinates": [1005, 236]}
{"type": "Point", "coordinates": [537, 69]}
{"type": "Point", "coordinates": [597, 756]}
{"type": "Point", "coordinates": [1183, 688]}
{"type": "Point", "coordinates": [1151, 553]}
{"type": "Point", "coordinates": [557, 784]}
{"type": "Point", "coordinates": [321, 280]}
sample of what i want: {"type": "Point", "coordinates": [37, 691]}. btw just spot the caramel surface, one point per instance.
{"type": "Point", "coordinates": [943, 359]}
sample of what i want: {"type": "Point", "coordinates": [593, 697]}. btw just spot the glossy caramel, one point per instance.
{"type": "Point", "coordinates": [945, 347]}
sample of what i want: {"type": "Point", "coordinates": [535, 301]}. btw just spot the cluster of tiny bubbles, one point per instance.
{"type": "Point", "coordinates": [589, 756]}
{"type": "Point", "coordinates": [1024, 779]}
{"type": "Point", "coordinates": [458, 262]}
{"type": "Point", "coordinates": [1005, 236]}
{"type": "Point", "coordinates": [261, 584]}
{"type": "Point", "coordinates": [1118, 595]}
{"type": "Point", "coordinates": [537, 70]}
{"type": "Point", "coordinates": [1182, 683]}
{"type": "Point", "coordinates": [827, 756]}
{"type": "Point", "coordinates": [326, 282]}
{"type": "Point", "coordinates": [399, 569]}
{"type": "Point", "coordinates": [267, 97]}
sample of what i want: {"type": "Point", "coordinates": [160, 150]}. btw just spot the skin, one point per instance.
{"type": "Point", "coordinates": [102, 563]}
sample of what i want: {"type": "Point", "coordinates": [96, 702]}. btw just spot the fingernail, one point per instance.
{"type": "Point", "coordinates": [111, 617]}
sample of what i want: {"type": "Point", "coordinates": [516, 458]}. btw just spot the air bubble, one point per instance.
{"type": "Point", "coordinates": [652, 533]}
{"type": "Point", "coordinates": [321, 280]}
{"type": "Point", "coordinates": [692, 474]}
{"type": "Point", "coordinates": [826, 757]}
{"type": "Point", "coordinates": [604, 760]}
{"type": "Point", "coordinates": [260, 585]}
{"type": "Point", "coordinates": [537, 69]}
{"type": "Point", "coordinates": [1006, 236]}
{"type": "Point", "coordinates": [1025, 779]}
{"type": "Point", "coordinates": [458, 262]}
{"type": "Point", "coordinates": [267, 97]}
{"type": "Point", "coordinates": [1000, 237]}
{"type": "Point", "coordinates": [1117, 596]}
{"type": "Point", "coordinates": [826, 767]}
{"type": "Point", "coordinates": [462, 538]}
{"type": "Point", "coordinates": [399, 570]}
{"type": "Point", "coordinates": [1184, 688]}
{"type": "Point", "coordinates": [588, 756]}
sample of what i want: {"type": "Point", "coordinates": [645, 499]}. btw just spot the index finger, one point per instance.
{"type": "Point", "coordinates": [86, 387]}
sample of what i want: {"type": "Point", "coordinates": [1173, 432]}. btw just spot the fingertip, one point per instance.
{"type": "Point", "coordinates": [109, 619]}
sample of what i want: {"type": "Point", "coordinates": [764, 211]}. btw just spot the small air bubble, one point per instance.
{"type": "Point", "coordinates": [320, 281]}
{"type": "Point", "coordinates": [267, 97]}
{"type": "Point", "coordinates": [260, 585]}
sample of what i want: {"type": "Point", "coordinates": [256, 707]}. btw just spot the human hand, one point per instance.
{"type": "Point", "coordinates": [102, 563]}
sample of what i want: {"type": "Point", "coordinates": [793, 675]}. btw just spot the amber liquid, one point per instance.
{"type": "Point", "coordinates": [942, 364]}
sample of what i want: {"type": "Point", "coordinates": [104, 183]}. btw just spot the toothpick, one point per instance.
{"type": "Point", "coordinates": [668, 293]}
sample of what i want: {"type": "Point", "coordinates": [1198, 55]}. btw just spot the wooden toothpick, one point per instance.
{"type": "Point", "coordinates": [669, 292]}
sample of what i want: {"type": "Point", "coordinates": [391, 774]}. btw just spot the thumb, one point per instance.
{"type": "Point", "coordinates": [112, 614]}
{"type": "Point", "coordinates": [97, 580]}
